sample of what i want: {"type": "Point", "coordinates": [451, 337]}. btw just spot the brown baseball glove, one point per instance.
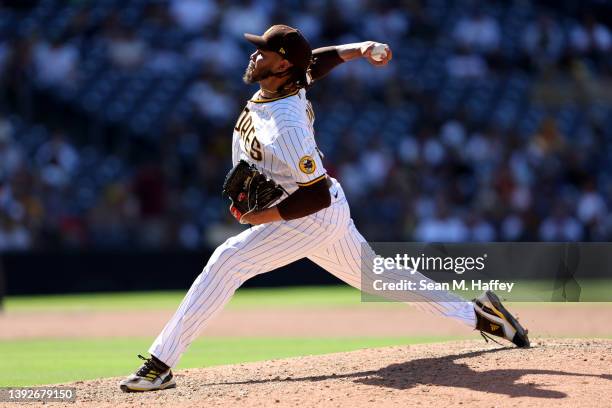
{"type": "Point", "coordinates": [249, 190]}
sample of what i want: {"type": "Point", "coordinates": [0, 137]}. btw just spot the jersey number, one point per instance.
{"type": "Point", "coordinates": [247, 134]}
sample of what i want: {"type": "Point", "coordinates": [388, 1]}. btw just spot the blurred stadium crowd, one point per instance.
{"type": "Point", "coordinates": [493, 121]}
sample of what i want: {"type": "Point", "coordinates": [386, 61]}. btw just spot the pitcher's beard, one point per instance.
{"type": "Point", "coordinates": [249, 78]}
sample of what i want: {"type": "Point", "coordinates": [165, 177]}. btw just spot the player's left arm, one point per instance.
{"type": "Point", "coordinates": [304, 201]}
{"type": "Point", "coordinates": [326, 59]}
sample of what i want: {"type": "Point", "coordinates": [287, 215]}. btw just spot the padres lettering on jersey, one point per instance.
{"type": "Point", "coordinates": [277, 135]}
{"type": "Point", "coordinates": [246, 128]}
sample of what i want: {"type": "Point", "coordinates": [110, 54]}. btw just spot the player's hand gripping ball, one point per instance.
{"type": "Point", "coordinates": [377, 54]}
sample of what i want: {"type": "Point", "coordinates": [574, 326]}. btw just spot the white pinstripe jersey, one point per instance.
{"type": "Point", "coordinates": [277, 135]}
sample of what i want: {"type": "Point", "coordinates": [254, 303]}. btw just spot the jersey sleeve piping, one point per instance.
{"type": "Point", "coordinates": [311, 182]}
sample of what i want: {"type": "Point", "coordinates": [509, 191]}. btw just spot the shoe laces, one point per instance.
{"type": "Point", "coordinates": [487, 338]}
{"type": "Point", "coordinates": [148, 366]}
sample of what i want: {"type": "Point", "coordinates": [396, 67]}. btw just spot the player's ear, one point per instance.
{"type": "Point", "coordinates": [284, 65]}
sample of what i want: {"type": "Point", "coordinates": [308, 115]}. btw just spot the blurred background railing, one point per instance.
{"type": "Point", "coordinates": [50, 272]}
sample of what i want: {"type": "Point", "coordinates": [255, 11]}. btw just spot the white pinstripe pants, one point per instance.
{"type": "Point", "coordinates": [328, 237]}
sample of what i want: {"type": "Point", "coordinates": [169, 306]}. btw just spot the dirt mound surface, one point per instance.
{"type": "Point", "coordinates": [563, 372]}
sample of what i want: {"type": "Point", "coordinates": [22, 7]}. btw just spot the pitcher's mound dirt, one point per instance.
{"type": "Point", "coordinates": [555, 372]}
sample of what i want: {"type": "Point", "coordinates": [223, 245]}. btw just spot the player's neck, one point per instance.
{"type": "Point", "coordinates": [273, 88]}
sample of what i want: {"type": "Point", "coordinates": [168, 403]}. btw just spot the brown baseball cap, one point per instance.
{"type": "Point", "coordinates": [286, 41]}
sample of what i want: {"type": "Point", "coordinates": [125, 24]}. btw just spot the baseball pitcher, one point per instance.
{"type": "Point", "coordinates": [280, 187]}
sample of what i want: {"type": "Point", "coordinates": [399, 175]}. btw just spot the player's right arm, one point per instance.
{"type": "Point", "coordinates": [327, 58]}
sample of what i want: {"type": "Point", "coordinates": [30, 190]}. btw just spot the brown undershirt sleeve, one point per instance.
{"type": "Point", "coordinates": [305, 200]}
{"type": "Point", "coordinates": [323, 61]}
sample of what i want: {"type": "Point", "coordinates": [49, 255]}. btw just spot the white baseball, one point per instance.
{"type": "Point", "coordinates": [379, 52]}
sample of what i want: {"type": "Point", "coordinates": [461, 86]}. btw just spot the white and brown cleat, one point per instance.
{"type": "Point", "coordinates": [153, 375]}
{"type": "Point", "coordinates": [493, 318]}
